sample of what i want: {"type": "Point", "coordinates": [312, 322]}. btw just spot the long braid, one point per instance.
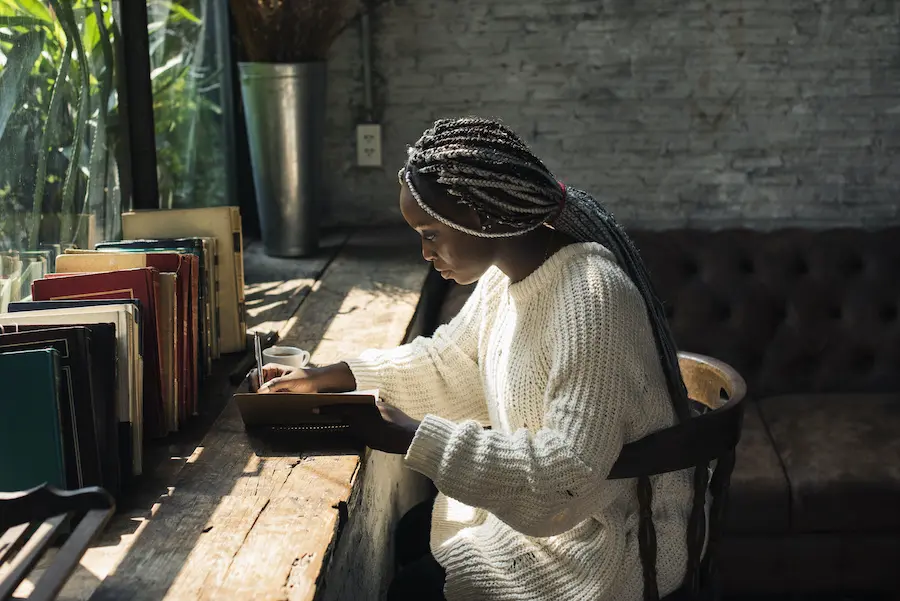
{"type": "Point", "coordinates": [486, 166]}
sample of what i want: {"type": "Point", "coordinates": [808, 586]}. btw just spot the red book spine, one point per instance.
{"type": "Point", "coordinates": [122, 284]}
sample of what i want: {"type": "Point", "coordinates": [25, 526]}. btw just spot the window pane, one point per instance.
{"type": "Point", "coordinates": [186, 66]}
{"type": "Point", "coordinates": [58, 112]}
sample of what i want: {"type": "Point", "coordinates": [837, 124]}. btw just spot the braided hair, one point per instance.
{"type": "Point", "coordinates": [486, 166]}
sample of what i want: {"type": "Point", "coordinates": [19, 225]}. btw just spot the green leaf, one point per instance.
{"type": "Point", "coordinates": [29, 7]}
{"type": "Point", "coordinates": [49, 133]}
{"type": "Point", "coordinates": [91, 34]}
{"type": "Point", "coordinates": [67, 17]}
{"type": "Point", "coordinates": [178, 9]}
{"type": "Point", "coordinates": [20, 21]}
{"type": "Point", "coordinates": [21, 58]}
{"type": "Point", "coordinates": [173, 63]}
{"type": "Point", "coordinates": [94, 201]}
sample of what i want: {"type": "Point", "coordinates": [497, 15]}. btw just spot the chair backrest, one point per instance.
{"type": "Point", "coordinates": [710, 381]}
{"type": "Point", "coordinates": [709, 439]}
{"type": "Point", "coordinates": [30, 523]}
{"type": "Point", "coordinates": [704, 438]}
{"type": "Point", "coordinates": [718, 386]}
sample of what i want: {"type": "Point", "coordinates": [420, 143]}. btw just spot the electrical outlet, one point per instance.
{"type": "Point", "coordinates": [368, 145]}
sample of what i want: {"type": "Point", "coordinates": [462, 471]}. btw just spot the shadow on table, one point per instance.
{"type": "Point", "coordinates": [208, 489]}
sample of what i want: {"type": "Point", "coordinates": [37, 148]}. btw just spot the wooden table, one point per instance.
{"type": "Point", "coordinates": [222, 520]}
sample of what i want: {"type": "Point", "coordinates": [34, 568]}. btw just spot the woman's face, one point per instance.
{"type": "Point", "coordinates": [457, 256]}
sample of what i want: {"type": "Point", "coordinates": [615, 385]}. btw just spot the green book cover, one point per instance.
{"type": "Point", "coordinates": [31, 445]}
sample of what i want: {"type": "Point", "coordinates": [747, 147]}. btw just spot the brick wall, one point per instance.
{"type": "Point", "coordinates": [675, 112]}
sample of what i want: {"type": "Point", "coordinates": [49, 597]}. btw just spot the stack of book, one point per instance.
{"type": "Point", "coordinates": [113, 344]}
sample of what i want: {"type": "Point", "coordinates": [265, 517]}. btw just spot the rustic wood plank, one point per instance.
{"type": "Point", "coordinates": [366, 298]}
{"type": "Point", "coordinates": [260, 525]}
{"type": "Point", "coordinates": [276, 287]}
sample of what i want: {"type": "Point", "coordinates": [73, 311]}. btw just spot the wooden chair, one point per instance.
{"type": "Point", "coordinates": [31, 521]}
{"type": "Point", "coordinates": [707, 440]}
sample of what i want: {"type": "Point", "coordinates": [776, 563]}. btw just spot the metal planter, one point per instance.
{"type": "Point", "coordinates": [284, 109]}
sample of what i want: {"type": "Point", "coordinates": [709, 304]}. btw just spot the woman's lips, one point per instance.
{"type": "Point", "coordinates": [443, 271]}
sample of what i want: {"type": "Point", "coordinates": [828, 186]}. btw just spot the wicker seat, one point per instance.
{"type": "Point", "coordinates": [705, 441]}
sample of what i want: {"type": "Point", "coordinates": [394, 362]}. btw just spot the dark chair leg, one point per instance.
{"type": "Point", "coordinates": [413, 534]}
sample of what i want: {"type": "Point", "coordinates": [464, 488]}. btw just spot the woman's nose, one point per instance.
{"type": "Point", "coordinates": [427, 251]}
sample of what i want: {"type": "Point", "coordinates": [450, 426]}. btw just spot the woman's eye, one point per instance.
{"type": "Point", "coordinates": [429, 237]}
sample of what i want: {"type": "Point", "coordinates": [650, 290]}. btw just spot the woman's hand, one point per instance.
{"type": "Point", "coordinates": [381, 427]}
{"type": "Point", "coordinates": [284, 378]}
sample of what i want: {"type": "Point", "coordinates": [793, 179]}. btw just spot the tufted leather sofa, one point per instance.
{"type": "Point", "coordinates": [810, 319]}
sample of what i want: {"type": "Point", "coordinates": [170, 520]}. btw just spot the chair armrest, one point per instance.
{"type": "Point", "coordinates": [32, 520]}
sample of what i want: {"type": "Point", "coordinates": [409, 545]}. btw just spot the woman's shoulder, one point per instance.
{"type": "Point", "coordinates": [588, 272]}
{"type": "Point", "coordinates": [582, 263]}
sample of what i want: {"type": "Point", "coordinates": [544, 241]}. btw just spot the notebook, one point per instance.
{"type": "Point", "coordinates": [88, 302]}
{"type": "Point", "coordinates": [31, 441]}
{"type": "Point", "coordinates": [296, 411]}
{"type": "Point", "coordinates": [303, 422]}
{"type": "Point", "coordinates": [223, 224]}
{"type": "Point", "coordinates": [203, 282]}
{"type": "Point", "coordinates": [175, 288]}
{"type": "Point", "coordinates": [128, 284]}
{"type": "Point", "coordinates": [104, 370]}
{"type": "Point", "coordinates": [78, 417]}
{"type": "Point", "coordinates": [129, 364]}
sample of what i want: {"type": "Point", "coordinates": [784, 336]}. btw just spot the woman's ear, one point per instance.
{"type": "Point", "coordinates": [472, 218]}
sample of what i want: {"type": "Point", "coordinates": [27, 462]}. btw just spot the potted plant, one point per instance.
{"type": "Point", "coordinates": [283, 84]}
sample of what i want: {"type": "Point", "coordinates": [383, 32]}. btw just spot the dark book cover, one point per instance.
{"type": "Point", "coordinates": [141, 284]}
{"type": "Point", "coordinates": [113, 437]}
{"type": "Point", "coordinates": [31, 442]}
{"type": "Point", "coordinates": [76, 395]}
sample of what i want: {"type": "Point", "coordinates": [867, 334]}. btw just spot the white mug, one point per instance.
{"type": "Point", "coordinates": [286, 355]}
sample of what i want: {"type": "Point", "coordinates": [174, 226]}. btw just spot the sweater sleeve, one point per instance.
{"type": "Point", "coordinates": [433, 375]}
{"type": "Point", "coordinates": [545, 482]}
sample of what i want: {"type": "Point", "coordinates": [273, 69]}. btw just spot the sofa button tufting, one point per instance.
{"type": "Point", "coordinates": [691, 268]}
{"type": "Point", "coordinates": [722, 311]}
{"type": "Point", "coordinates": [853, 265]}
{"type": "Point", "coordinates": [746, 266]}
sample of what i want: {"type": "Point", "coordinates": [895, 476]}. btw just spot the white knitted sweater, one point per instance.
{"type": "Point", "coordinates": [563, 367]}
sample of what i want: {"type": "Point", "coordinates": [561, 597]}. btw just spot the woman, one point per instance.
{"type": "Point", "coordinates": [561, 350]}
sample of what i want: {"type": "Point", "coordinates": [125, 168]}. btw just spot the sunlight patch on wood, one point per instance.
{"type": "Point", "coordinates": [195, 455]}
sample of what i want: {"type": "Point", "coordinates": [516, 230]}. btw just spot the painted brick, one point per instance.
{"type": "Point", "coordinates": [680, 112]}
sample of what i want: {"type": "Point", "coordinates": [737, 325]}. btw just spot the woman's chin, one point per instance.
{"type": "Point", "coordinates": [458, 278]}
